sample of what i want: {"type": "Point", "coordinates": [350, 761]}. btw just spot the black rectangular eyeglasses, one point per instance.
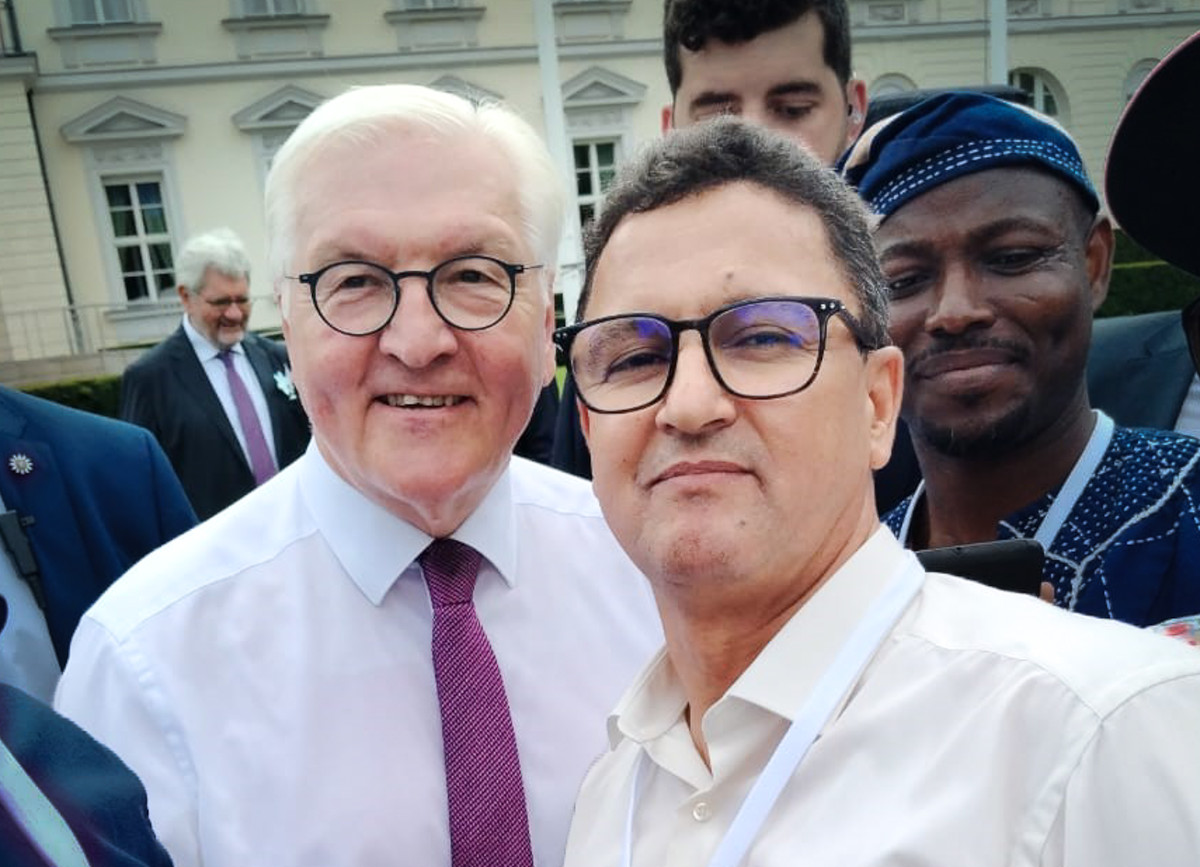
{"type": "Point", "coordinates": [761, 348]}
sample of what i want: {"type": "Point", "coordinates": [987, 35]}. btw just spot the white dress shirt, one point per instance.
{"type": "Point", "coordinates": [1188, 421]}
{"type": "Point", "coordinates": [989, 729]}
{"type": "Point", "coordinates": [218, 378]}
{"type": "Point", "coordinates": [268, 674]}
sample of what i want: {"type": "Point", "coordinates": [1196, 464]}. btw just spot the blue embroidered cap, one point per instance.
{"type": "Point", "coordinates": [955, 134]}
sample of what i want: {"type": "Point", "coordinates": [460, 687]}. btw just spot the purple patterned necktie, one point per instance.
{"type": "Point", "coordinates": [256, 444]}
{"type": "Point", "coordinates": [488, 823]}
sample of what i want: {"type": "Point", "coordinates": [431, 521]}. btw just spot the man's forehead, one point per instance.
{"type": "Point", "coordinates": [793, 52]}
{"type": "Point", "coordinates": [1004, 195]}
{"type": "Point", "coordinates": [736, 241]}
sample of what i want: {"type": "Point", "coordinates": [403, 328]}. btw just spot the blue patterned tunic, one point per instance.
{"type": "Point", "coordinates": [1130, 548]}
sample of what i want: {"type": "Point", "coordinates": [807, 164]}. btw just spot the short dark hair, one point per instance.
{"type": "Point", "coordinates": [691, 24]}
{"type": "Point", "coordinates": [727, 151]}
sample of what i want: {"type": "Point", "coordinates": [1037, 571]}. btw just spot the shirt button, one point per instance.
{"type": "Point", "coordinates": [701, 812]}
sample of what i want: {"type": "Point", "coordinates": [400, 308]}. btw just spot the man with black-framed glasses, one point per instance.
{"type": "Point", "coordinates": [402, 647]}
{"type": "Point", "coordinates": [822, 700]}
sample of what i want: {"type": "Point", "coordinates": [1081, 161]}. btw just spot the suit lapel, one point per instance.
{"type": "Point", "coordinates": [1162, 376]}
{"type": "Point", "coordinates": [58, 546]}
{"type": "Point", "coordinates": [195, 384]}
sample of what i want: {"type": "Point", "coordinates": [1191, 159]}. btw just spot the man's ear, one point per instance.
{"type": "Point", "coordinates": [550, 362]}
{"type": "Point", "coordinates": [667, 118]}
{"type": "Point", "coordinates": [1099, 254]}
{"type": "Point", "coordinates": [183, 293]}
{"type": "Point", "coordinates": [856, 101]}
{"type": "Point", "coordinates": [885, 389]}
{"type": "Point", "coordinates": [585, 421]}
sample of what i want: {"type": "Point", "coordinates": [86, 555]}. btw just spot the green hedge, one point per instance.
{"type": "Point", "coordinates": [1142, 283]}
{"type": "Point", "coordinates": [99, 394]}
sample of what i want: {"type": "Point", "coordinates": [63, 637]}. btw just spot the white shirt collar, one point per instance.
{"type": "Point", "coordinates": [203, 347]}
{"type": "Point", "coordinates": [786, 670]}
{"type": "Point", "coordinates": [375, 547]}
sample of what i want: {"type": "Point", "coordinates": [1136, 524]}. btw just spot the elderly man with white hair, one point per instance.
{"type": "Point", "coordinates": [401, 649]}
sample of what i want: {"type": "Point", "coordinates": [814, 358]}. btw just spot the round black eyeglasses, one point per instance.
{"type": "Point", "coordinates": [358, 298]}
{"type": "Point", "coordinates": [761, 348]}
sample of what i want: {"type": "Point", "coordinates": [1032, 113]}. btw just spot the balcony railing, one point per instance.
{"type": "Point", "coordinates": [85, 329]}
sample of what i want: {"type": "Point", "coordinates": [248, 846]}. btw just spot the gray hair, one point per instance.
{"type": "Point", "coordinates": [726, 151]}
{"type": "Point", "coordinates": [221, 250]}
{"type": "Point", "coordinates": [369, 115]}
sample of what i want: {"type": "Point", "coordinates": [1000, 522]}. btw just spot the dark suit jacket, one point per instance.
{"type": "Point", "coordinates": [99, 797]}
{"type": "Point", "coordinates": [101, 495]}
{"type": "Point", "coordinates": [1139, 369]}
{"type": "Point", "coordinates": [167, 392]}
{"type": "Point", "coordinates": [537, 440]}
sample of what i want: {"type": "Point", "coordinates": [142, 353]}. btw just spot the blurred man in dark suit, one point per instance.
{"type": "Point", "coordinates": [1140, 369]}
{"type": "Point", "coordinates": [219, 399]}
{"type": "Point", "coordinates": [65, 800]}
{"type": "Point", "coordinates": [84, 498]}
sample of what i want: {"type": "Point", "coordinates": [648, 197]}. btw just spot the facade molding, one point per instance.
{"type": "Point", "coordinates": [451, 60]}
{"type": "Point", "coordinates": [281, 109]}
{"type": "Point", "coordinates": [123, 119]}
{"type": "Point", "coordinates": [468, 91]}
{"type": "Point", "coordinates": [22, 67]}
{"type": "Point", "coordinates": [1021, 26]}
{"type": "Point", "coordinates": [598, 87]}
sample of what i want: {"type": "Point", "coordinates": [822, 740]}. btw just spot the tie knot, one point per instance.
{"type": "Point", "coordinates": [226, 356]}
{"type": "Point", "coordinates": [450, 568]}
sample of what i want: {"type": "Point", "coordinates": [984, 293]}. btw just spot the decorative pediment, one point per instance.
{"type": "Point", "coordinates": [122, 119]}
{"type": "Point", "coordinates": [282, 109]}
{"type": "Point", "coordinates": [598, 87]}
{"type": "Point", "coordinates": [468, 91]}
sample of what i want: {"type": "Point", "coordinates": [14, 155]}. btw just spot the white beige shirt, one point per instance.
{"type": "Point", "coordinates": [989, 729]}
{"type": "Point", "coordinates": [268, 674]}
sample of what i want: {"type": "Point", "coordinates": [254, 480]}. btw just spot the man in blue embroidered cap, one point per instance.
{"type": "Point", "coordinates": [996, 255]}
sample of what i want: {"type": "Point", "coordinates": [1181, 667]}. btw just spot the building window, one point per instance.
{"type": "Point", "coordinates": [1136, 76]}
{"type": "Point", "coordinates": [435, 25]}
{"type": "Point", "coordinates": [101, 11]}
{"type": "Point", "coordinates": [595, 166]}
{"type": "Point", "coordinates": [891, 84]}
{"type": "Point", "coordinates": [1044, 94]}
{"type": "Point", "coordinates": [272, 7]}
{"type": "Point", "coordinates": [143, 240]}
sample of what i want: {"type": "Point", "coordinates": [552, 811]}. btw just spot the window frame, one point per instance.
{"type": "Point", "coordinates": [142, 239]}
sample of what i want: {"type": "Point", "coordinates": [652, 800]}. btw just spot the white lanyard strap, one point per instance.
{"type": "Point", "coordinates": [1080, 475]}
{"type": "Point", "coordinates": [820, 705]}
{"type": "Point", "coordinates": [33, 812]}
{"type": "Point", "coordinates": [1067, 497]}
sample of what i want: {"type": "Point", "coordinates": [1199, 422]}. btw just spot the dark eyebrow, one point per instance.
{"type": "Point", "coordinates": [711, 97]}
{"type": "Point", "coordinates": [795, 88]}
{"type": "Point", "coordinates": [1017, 223]}
{"type": "Point", "coordinates": [918, 247]}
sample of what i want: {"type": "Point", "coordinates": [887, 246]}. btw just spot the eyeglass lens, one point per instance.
{"type": "Point", "coordinates": [762, 349]}
{"type": "Point", "coordinates": [359, 298]}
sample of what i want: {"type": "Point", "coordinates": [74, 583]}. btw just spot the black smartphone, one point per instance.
{"type": "Point", "coordinates": [1006, 564]}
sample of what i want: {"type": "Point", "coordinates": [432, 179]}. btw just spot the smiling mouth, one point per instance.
{"type": "Point", "coordinates": [962, 361]}
{"type": "Point", "coordinates": [422, 401]}
{"type": "Point", "coordinates": [698, 468]}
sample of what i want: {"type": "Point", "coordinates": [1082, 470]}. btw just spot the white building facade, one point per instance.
{"type": "Point", "coordinates": [127, 125]}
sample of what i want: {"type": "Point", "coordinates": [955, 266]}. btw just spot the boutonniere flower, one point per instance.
{"type": "Point", "coordinates": [283, 382]}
